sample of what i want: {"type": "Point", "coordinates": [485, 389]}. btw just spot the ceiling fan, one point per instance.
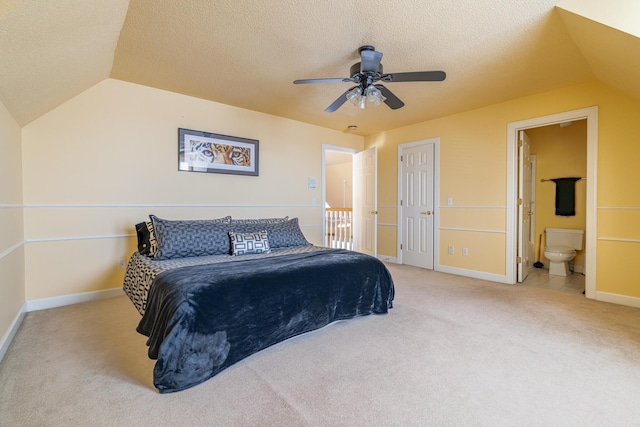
{"type": "Point", "coordinates": [365, 74]}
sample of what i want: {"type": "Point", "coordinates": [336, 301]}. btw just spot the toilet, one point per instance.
{"type": "Point", "coordinates": [561, 247]}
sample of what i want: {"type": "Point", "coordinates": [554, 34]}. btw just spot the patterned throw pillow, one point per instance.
{"type": "Point", "coordinates": [259, 220]}
{"type": "Point", "coordinates": [147, 244]}
{"type": "Point", "coordinates": [181, 239]}
{"type": "Point", "coordinates": [249, 243]}
{"type": "Point", "coordinates": [281, 234]}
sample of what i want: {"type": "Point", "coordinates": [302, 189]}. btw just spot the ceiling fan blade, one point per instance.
{"type": "Point", "coordinates": [392, 101]}
{"type": "Point", "coordinates": [329, 80]}
{"type": "Point", "coordinates": [370, 61]}
{"type": "Point", "coordinates": [337, 103]}
{"type": "Point", "coordinates": [416, 76]}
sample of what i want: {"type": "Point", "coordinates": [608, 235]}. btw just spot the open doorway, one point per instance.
{"type": "Point", "coordinates": [352, 227]}
{"type": "Point", "coordinates": [557, 152]}
{"type": "Point", "coordinates": [513, 253]}
{"type": "Point", "coordinates": [338, 199]}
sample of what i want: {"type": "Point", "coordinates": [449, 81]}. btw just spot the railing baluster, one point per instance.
{"type": "Point", "coordinates": [338, 223]}
{"type": "Point", "coordinates": [326, 226]}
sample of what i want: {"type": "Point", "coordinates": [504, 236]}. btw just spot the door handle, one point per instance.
{"type": "Point", "coordinates": [425, 213]}
{"type": "Point", "coordinates": [373, 212]}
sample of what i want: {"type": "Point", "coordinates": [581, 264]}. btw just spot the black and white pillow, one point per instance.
{"type": "Point", "coordinates": [249, 243]}
{"type": "Point", "coordinates": [188, 238]}
{"type": "Point", "coordinates": [147, 244]}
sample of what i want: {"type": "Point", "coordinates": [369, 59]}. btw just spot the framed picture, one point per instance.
{"type": "Point", "coordinates": [210, 152]}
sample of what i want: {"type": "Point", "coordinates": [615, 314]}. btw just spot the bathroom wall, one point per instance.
{"type": "Point", "coordinates": [560, 152]}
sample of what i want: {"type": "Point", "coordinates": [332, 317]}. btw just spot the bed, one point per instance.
{"type": "Point", "coordinates": [210, 298]}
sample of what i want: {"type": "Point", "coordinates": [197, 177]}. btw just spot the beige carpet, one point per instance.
{"type": "Point", "coordinates": [454, 351]}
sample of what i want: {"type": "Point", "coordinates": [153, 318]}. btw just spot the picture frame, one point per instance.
{"type": "Point", "coordinates": [208, 152]}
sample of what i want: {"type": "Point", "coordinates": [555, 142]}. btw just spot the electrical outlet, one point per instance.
{"type": "Point", "coordinates": [450, 250]}
{"type": "Point", "coordinates": [465, 251]}
{"type": "Point", "coordinates": [122, 264]}
{"type": "Point", "coordinates": [450, 201]}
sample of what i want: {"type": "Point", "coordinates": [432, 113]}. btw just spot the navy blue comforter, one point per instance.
{"type": "Point", "coordinates": [202, 319]}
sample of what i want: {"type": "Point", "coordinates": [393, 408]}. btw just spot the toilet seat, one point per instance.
{"type": "Point", "coordinates": [560, 249]}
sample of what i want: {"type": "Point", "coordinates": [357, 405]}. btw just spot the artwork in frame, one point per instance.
{"type": "Point", "coordinates": [210, 152]}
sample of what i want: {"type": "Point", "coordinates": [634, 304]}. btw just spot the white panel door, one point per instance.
{"type": "Point", "coordinates": [365, 205]}
{"type": "Point", "coordinates": [417, 205]}
{"type": "Point", "coordinates": [524, 206]}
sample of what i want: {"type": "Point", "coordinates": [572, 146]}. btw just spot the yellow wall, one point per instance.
{"type": "Point", "coordinates": [12, 292]}
{"type": "Point", "coordinates": [560, 152]}
{"type": "Point", "coordinates": [473, 159]}
{"type": "Point", "coordinates": [106, 159]}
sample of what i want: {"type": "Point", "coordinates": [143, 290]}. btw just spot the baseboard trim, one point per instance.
{"type": "Point", "coordinates": [45, 303]}
{"type": "Point", "coordinates": [618, 299]}
{"type": "Point", "coordinates": [387, 258]}
{"type": "Point", "coordinates": [13, 329]}
{"type": "Point", "coordinates": [472, 273]}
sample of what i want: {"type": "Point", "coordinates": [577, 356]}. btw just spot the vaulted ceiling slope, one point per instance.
{"type": "Point", "coordinates": [50, 51]}
{"type": "Point", "coordinates": [247, 53]}
{"type": "Point", "coordinates": [608, 36]}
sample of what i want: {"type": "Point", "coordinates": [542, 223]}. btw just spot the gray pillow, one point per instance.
{"type": "Point", "coordinates": [259, 220]}
{"type": "Point", "coordinates": [188, 238]}
{"type": "Point", "coordinates": [281, 234]}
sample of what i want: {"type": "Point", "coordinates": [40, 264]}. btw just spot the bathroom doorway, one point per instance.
{"type": "Point", "coordinates": [582, 122]}
{"type": "Point", "coordinates": [561, 151]}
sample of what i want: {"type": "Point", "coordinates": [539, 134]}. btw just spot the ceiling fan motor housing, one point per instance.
{"type": "Point", "coordinates": [366, 47]}
{"type": "Point", "coordinates": [357, 76]}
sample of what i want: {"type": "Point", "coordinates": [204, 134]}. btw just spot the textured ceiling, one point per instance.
{"type": "Point", "coordinates": [247, 53]}
{"type": "Point", "coordinates": [54, 50]}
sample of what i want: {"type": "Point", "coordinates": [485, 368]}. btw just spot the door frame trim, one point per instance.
{"type": "Point", "coordinates": [534, 165]}
{"type": "Point", "coordinates": [591, 115]}
{"type": "Point", "coordinates": [436, 197]}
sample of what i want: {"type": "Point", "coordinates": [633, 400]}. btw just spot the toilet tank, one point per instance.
{"type": "Point", "coordinates": [565, 237]}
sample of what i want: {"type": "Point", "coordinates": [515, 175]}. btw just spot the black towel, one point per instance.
{"type": "Point", "coordinates": [566, 196]}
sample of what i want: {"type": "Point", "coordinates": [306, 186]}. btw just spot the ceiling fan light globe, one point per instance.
{"type": "Point", "coordinates": [374, 95]}
{"type": "Point", "coordinates": [354, 96]}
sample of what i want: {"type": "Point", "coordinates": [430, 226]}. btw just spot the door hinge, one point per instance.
{"type": "Point", "coordinates": [519, 260]}
{"type": "Point", "coordinates": [402, 158]}
{"type": "Point", "coordinates": [519, 202]}
{"type": "Point", "coordinates": [400, 246]}
{"type": "Point", "coordinates": [520, 143]}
